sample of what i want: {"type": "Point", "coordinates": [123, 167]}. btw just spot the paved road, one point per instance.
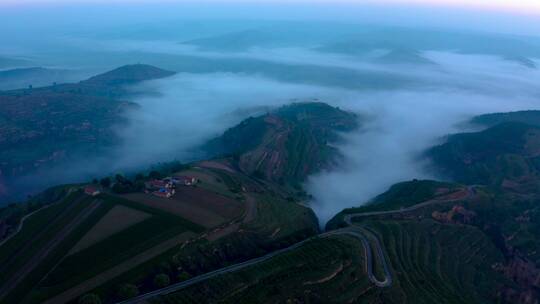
{"type": "Point", "coordinates": [387, 282]}
{"type": "Point", "coordinates": [356, 232]}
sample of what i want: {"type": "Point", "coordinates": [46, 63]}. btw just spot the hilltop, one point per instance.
{"type": "Point", "coordinates": [288, 144]}
{"type": "Point", "coordinates": [504, 154]}
{"type": "Point", "coordinates": [128, 74]}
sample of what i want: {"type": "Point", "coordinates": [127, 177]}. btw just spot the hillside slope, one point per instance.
{"type": "Point", "coordinates": [41, 127]}
{"type": "Point", "coordinates": [504, 154]}
{"type": "Point", "coordinates": [286, 145]}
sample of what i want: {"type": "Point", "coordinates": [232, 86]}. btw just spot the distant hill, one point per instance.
{"type": "Point", "coordinates": [404, 56]}
{"type": "Point", "coordinates": [524, 61]}
{"type": "Point", "coordinates": [288, 144]}
{"type": "Point", "coordinates": [527, 117]}
{"type": "Point", "coordinates": [41, 127]}
{"type": "Point", "coordinates": [388, 38]}
{"type": "Point", "coordinates": [128, 74]}
{"type": "Point", "coordinates": [270, 36]}
{"type": "Point", "coordinates": [236, 41]}
{"type": "Point", "coordinates": [8, 62]}
{"type": "Point", "coordinates": [35, 77]}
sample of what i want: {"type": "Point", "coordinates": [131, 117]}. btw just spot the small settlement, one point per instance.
{"type": "Point", "coordinates": [166, 187]}
{"type": "Point", "coordinates": [91, 190]}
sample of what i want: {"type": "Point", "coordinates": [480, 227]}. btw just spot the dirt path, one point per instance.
{"type": "Point", "coordinates": [119, 269]}
{"type": "Point", "coordinates": [21, 223]}
{"type": "Point", "coordinates": [467, 194]}
{"type": "Point", "coordinates": [216, 165]}
{"type": "Point", "coordinates": [47, 248]}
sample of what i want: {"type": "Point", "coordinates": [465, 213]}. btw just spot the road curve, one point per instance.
{"type": "Point", "coordinates": [354, 232]}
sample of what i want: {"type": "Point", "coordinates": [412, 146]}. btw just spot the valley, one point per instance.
{"type": "Point", "coordinates": [239, 226]}
{"type": "Point", "coordinates": [269, 152]}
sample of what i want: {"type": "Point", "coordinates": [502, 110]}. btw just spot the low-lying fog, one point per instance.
{"type": "Point", "coordinates": [409, 93]}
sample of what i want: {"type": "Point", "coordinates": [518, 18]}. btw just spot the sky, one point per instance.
{"type": "Point", "coordinates": [499, 16]}
{"type": "Point", "coordinates": [521, 6]}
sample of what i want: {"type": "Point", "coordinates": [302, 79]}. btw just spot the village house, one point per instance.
{"type": "Point", "coordinates": [91, 190]}
{"type": "Point", "coordinates": [161, 188]}
{"type": "Point", "coordinates": [156, 184]}
{"type": "Point", "coordinates": [184, 180]}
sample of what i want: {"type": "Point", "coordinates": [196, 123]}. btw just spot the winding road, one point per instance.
{"type": "Point", "coordinates": [360, 233]}
{"type": "Point", "coordinates": [350, 231]}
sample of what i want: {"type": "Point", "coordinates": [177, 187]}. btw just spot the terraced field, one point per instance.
{"type": "Point", "coordinates": [436, 263]}
{"type": "Point", "coordinates": [430, 262]}
{"type": "Point", "coordinates": [321, 271]}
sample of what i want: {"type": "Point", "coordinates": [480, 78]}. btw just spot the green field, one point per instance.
{"type": "Point", "coordinates": [430, 263]}
{"type": "Point", "coordinates": [288, 218]}
{"type": "Point", "coordinates": [37, 231]}
{"type": "Point", "coordinates": [111, 251]}
{"type": "Point", "coordinates": [335, 262]}
{"type": "Point", "coordinates": [57, 272]}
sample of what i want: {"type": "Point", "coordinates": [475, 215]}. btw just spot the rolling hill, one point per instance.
{"type": "Point", "coordinates": [288, 144]}
{"type": "Point", "coordinates": [241, 234]}
{"type": "Point", "coordinates": [527, 117]}
{"type": "Point", "coordinates": [65, 121]}
{"type": "Point", "coordinates": [504, 154]}
{"type": "Point", "coordinates": [35, 77]}
{"type": "Point", "coordinates": [125, 238]}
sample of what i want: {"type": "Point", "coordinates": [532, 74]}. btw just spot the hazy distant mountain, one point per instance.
{"type": "Point", "coordinates": [524, 61]}
{"type": "Point", "coordinates": [35, 77]}
{"type": "Point", "coordinates": [275, 35]}
{"type": "Point", "coordinates": [7, 62]}
{"type": "Point", "coordinates": [404, 56]}
{"type": "Point", "coordinates": [236, 41]}
{"type": "Point", "coordinates": [127, 75]}
{"type": "Point", "coordinates": [377, 38]}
